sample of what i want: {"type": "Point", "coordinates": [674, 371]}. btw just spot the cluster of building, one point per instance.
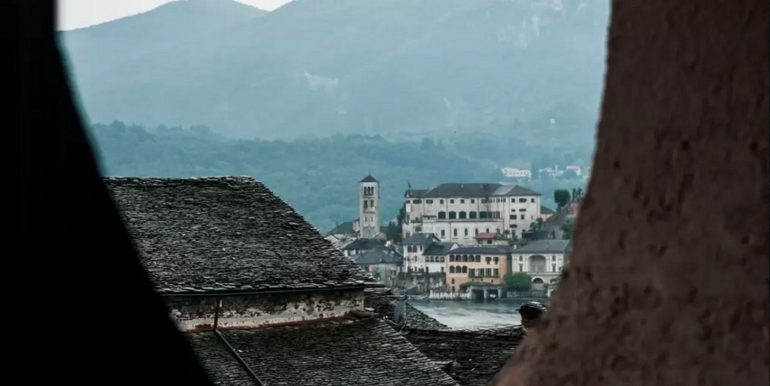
{"type": "Point", "coordinates": [469, 232]}
{"type": "Point", "coordinates": [523, 174]}
{"type": "Point", "coordinates": [262, 298]}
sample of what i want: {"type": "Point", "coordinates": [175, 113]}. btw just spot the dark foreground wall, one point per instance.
{"type": "Point", "coordinates": [669, 281]}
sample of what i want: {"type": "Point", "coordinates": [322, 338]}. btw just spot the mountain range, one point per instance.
{"type": "Point", "coordinates": [316, 68]}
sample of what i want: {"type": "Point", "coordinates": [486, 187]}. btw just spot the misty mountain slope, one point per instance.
{"type": "Point", "coordinates": [320, 67]}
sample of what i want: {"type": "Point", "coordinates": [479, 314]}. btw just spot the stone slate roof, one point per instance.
{"type": "Point", "coordinates": [347, 352]}
{"type": "Point", "coordinates": [226, 234]}
{"type": "Point", "coordinates": [415, 192]}
{"type": "Point", "coordinates": [436, 249]}
{"type": "Point", "coordinates": [380, 255]}
{"type": "Point", "coordinates": [546, 210]}
{"type": "Point", "coordinates": [544, 246]}
{"type": "Point", "coordinates": [481, 250]}
{"type": "Point", "coordinates": [369, 178]}
{"type": "Point", "coordinates": [472, 358]}
{"type": "Point", "coordinates": [420, 239]}
{"type": "Point", "coordinates": [218, 361]}
{"type": "Point", "coordinates": [364, 244]}
{"type": "Point", "coordinates": [345, 228]}
{"type": "Point", "coordinates": [454, 189]}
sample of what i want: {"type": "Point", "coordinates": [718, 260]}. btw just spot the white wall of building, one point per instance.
{"type": "Point", "coordinates": [513, 213]}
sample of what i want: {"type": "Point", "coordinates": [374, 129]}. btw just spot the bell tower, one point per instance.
{"type": "Point", "coordinates": [369, 207]}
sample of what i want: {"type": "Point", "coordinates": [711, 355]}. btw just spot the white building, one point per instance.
{"type": "Point", "coordinates": [457, 212]}
{"type": "Point", "coordinates": [517, 173]}
{"type": "Point", "coordinates": [543, 260]}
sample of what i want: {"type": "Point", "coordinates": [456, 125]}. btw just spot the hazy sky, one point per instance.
{"type": "Point", "coordinates": [82, 13]}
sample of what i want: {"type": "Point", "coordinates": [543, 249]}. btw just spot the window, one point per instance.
{"type": "Point", "coordinates": [477, 231]}
{"type": "Point", "coordinates": [513, 217]}
{"type": "Point", "coordinates": [428, 201]}
{"type": "Point", "coordinates": [465, 258]}
{"type": "Point", "coordinates": [452, 258]}
{"type": "Point", "coordinates": [453, 281]}
{"type": "Point", "coordinates": [489, 271]}
{"type": "Point", "coordinates": [416, 201]}
{"type": "Point", "coordinates": [443, 233]}
{"type": "Point", "coordinates": [442, 269]}
{"type": "Point", "coordinates": [520, 258]}
{"type": "Point", "coordinates": [462, 201]}
{"type": "Point", "coordinates": [522, 200]}
{"type": "Point", "coordinates": [471, 272]}
{"type": "Point", "coordinates": [502, 200]}
{"type": "Point", "coordinates": [522, 209]}
{"type": "Point", "coordinates": [452, 215]}
{"type": "Point", "coordinates": [514, 226]}
{"type": "Point", "coordinates": [452, 270]}
{"type": "Point", "coordinates": [454, 231]}
{"type": "Point", "coordinates": [483, 215]}
{"type": "Point", "coordinates": [488, 259]}
{"type": "Point", "coordinates": [478, 258]}
{"type": "Point", "coordinates": [366, 204]}
{"type": "Point", "coordinates": [533, 200]}
{"type": "Point", "coordinates": [521, 267]}
{"type": "Point", "coordinates": [441, 215]}
{"type": "Point", "coordinates": [487, 230]}
{"type": "Point", "coordinates": [531, 217]}
{"type": "Point", "coordinates": [463, 215]}
{"type": "Point", "coordinates": [495, 272]}
{"type": "Point", "coordinates": [451, 201]}
{"type": "Point", "coordinates": [465, 268]}
{"type": "Point", "coordinates": [496, 259]}
{"type": "Point", "coordinates": [466, 231]}
{"type": "Point", "coordinates": [554, 268]}
{"type": "Point", "coordinates": [473, 201]}
{"type": "Point", "coordinates": [440, 201]}
{"type": "Point", "coordinates": [553, 258]}
{"type": "Point", "coordinates": [472, 215]}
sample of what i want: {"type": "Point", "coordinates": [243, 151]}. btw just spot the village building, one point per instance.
{"type": "Point", "coordinates": [414, 248]}
{"type": "Point", "coordinates": [543, 260]}
{"type": "Point", "coordinates": [384, 263]}
{"type": "Point", "coordinates": [478, 264]}
{"type": "Point", "coordinates": [458, 212]}
{"type": "Point", "coordinates": [546, 212]}
{"type": "Point", "coordinates": [436, 254]}
{"type": "Point", "coordinates": [261, 296]}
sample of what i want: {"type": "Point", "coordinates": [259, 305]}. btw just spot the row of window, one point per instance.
{"type": "Point", "coordinates": [462, 215]}
{"type": "Point", "coordinates": [462, 201]}
{"type": "Point", "coordinates": [473, 272]}
{"type": "Point", "coordinates": [454, 231]}
{"type": "Point", "coordinates": [369, 190]}
{"type": "Point", "coordinates": [472, 258]}
{"type": "Point", "coordinates": [434, 259]}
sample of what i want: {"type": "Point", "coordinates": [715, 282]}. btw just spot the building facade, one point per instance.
{"type": "Point", "coordinates": [458, 212]}
{"type": "Point", "coordinates": [479, 264]}
{"type": "Point", "coordinates": [369, 207]}
{"type": "Point", "coordinates": [543, 260]}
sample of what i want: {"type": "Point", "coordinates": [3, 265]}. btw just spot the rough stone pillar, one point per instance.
{"type": "Point", "coordinates": [668, 284]}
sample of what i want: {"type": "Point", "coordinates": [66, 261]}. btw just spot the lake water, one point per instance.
{"type": "Point", "coordinates": [471, 315]}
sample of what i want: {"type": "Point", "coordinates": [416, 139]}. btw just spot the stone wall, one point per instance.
{"type": "Point", "coordinates": [668, 284]}
{"type": "Point", "coordinates": [247, 311]}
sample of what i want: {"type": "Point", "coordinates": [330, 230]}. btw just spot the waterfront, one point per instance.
{"type": "Point", "coordinates": [471, 315]}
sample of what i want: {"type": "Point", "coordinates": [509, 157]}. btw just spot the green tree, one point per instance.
{"type": "Point", "coordinates": [518, 281]}
{"type": "Point", "coordinates": [393, 232]}
{"type": "Point", "coordinates": [467, 284]}
{"type": "Point", "coordinates": [536, 225]}
{"type": "Point", "coordinates": [568, 228]}
{"type": "Point", "coordinates": [561, 196]}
